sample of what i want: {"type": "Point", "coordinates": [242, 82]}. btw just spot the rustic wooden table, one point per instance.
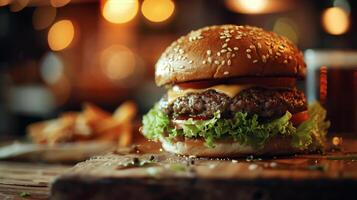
{"type": "Point", "coordinates": [19, 180]}
{"type": "Point", "coordinates": [158, 175]}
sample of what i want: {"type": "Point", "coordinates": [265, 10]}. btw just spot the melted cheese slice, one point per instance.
{"type": "Point", "coordinates": [230, 90]}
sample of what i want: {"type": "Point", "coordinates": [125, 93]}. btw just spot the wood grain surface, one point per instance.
{"type": "Point", "coordinates": [141, 174]}
{"type": "Point", "coordinates": [27, 180]}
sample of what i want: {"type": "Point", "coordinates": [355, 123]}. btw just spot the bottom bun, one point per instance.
{"type": "Point", "coordinates": [227, 148]}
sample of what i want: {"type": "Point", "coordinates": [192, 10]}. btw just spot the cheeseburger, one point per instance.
{"type": "Point", "coordinates": [231, 91]}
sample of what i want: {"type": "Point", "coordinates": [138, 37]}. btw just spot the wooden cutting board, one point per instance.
{"type": "Point", "coordinates": [140, 174]}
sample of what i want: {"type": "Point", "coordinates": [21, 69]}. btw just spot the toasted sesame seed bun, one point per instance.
{"type": "Point", "coordinates": [226, 51]}
{"type": "Point", "coordinates": [228, 148]}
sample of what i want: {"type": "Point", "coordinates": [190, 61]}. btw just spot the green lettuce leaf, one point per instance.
{"type": "Point", "coordinates": [247, 130]}
{"type": "Point", "coordinates": [312, 131]}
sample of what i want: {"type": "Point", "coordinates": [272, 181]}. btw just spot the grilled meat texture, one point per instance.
{"type": "Point", "coordinates": [265, 102]}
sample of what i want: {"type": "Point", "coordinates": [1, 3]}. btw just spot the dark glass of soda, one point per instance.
{"type": "Point", "coordinates": [332, 80]}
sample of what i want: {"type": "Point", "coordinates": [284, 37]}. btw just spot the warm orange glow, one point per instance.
{"type": "Point", "coordinates": [287, 28]}
{"type": "Point", "coordinates": [18, 5]}
{"type": "Point", "coordinates": [59, 3]}
{"type": "Point", "coordinates": [43, 17]}
{"type": "Point", "coordinates": [335, 21]}
{"type": "Point", "coordinates": [157, 10]}
{"type": "Point", "coordinates": [60, 35]}
{"type": "Point", "coordinates": [117, 62]}
{"type": "Point", "coordinates": [248, 6]}
{"type": "Point", "coordinates": [4, 2]}
{"type": "Point", "coordinates": [120, 11]}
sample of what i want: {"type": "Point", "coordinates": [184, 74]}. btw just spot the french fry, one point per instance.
{"type": "Point", "coordinates": [122, 115]}
{"type": "Point", "coordinates": [52, 131]}
{"type": "Point", "coordinates": [126, 135]}
{"type": "Point", "coordinates": [93, 113]}
{"type": "Point", "coordinates": [91, 123]}
{"type": "Point", "coordinates": [111, 134]}
{"type": "Point", "coordinates": [125, 112]}
{"type": "Point", "coordinates": [82, 130]}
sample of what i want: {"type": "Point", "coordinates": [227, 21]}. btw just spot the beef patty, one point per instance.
{"type": "Point", "coordinates": [266, 103]}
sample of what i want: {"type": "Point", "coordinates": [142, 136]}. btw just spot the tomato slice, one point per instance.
{"type": "Point", "coordinates": [299, 118]}
{"type": "Point", "coordinates": [263, 81]}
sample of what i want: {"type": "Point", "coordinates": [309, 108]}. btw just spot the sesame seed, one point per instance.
{"type": "Point", "coordinates": [249, 56]}
{"type": "Point", "coordinates": [281, 47]}
{"type": "Point", "coordinates": [248, 50]}
{"type": "Point", "coordinates": [223, 50]}
{"type": "Point", "coordinates": [222, 37]}
{"type": "Point", "coordinates": [216, 62]}
{"type": "Point", "coordinates": [191, 61]}
{"type": "Point", "coordinates": [229, 54]}
{"type": "Point", "coordinates": [278, 54]}
{"type": "Point", "coordinates": [238, 37]}
{"type": "Point", "coordinates": [252, 46]}
{"type": "Point", "coordinates": [255, 61]}
{"type": "Point", "coordinates": [229, 49]}
{"type": "Point", "coordinates": [204, 62]}
{"type": "Point", "coordinates": [259, 45]}
{"type": "Point", "coordinates": [236, 48]}
{"type": "Point", "coordinates": [209, 52]}
{"type": "Point", "coordinates": [224, 45]}
{"type": "Point", "coordinates": [290, 57]}
{"type": "Point", "coordinates": [181, 67]}
{"type": "Point", "coordinates": [227, 40]}
{"type": "Point", "coordinates": [181, 51]}
{"type": "Point", "coordinates": [209, 59]}
{"type": "Point", "coordinates": [229, 62]}
{"type": "Point", "coordinates": [222, 63]}
{"type": "Point", "coordinates": [233, 55]}
{"type": "Point", "coordinates": [226, 73]}
{"type": "Point", "coordinates": [218, 53]}
{"type": "Point", "coordinates": [271, 51]}
{"type": "Point", "coordinates": [285, 61]}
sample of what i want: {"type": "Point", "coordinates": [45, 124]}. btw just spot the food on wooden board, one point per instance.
{"type": "Point", "coordinates": [231, 91]}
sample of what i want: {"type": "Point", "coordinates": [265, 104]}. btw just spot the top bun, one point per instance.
{"type": "Point", "coordinates": [219, 52]}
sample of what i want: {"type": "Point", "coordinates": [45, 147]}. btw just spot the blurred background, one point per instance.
{"type": "Point", "coordinates": [56, 54]}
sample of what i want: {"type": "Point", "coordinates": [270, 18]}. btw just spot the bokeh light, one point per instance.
{"type": "Point", "coordinates": [120, 11]}
{"type": "Point", "coordinates": [43, 17]}
{"type": "Point", "coordinates": [59, 3]}
{"type": "Point", "coordinates": [60, 35]}
{"type": "Point", "coordinates": [4, 2]}
{"type": "Point", "coordinates": [18, 5]}
{"type": "Point", "coordinates": [157, 10]}
{"type": "Point", "coordinates": [287, 28]}
{"type": "Point", "coordinates": [117, 62]}
{"type": "Point", "coordinates": [335, 21]}
{"type": "Point", "coordinates": [51, 68]}
{"type": "Point", "coordinates": [249, 7]}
